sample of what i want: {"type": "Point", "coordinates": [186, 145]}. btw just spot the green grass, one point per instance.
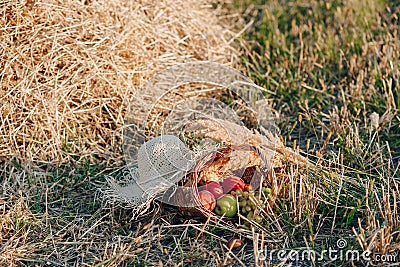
{"type": "Point", "coordinates": [329, 65]}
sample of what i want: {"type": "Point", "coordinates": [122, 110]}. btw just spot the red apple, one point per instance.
{"type": "Point", "coordinates": [207, 200]}
{"type": "Point", "coordinates": [215, 189]}
{"type": "Point", "coordinates": [232, 183]}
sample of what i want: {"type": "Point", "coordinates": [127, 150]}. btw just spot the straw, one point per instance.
{"type": "Point", "coordinates": [68, 69]}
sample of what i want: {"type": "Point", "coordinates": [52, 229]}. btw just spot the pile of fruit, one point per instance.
{"type": "Point", "coordinates": [232, 196]}
{"type": "Point", "coordinates": [236, 183]}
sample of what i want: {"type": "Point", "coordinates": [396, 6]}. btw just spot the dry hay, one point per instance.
{"type": "Point", "coordinates": [13, 218]}
{"type": "Point", "coordinates": [67, 67]}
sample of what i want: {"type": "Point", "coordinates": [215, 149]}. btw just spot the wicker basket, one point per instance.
{"type": "Point", "coordinates": [187, 195]}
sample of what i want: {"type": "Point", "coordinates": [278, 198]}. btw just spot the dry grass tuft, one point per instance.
{"type": "Point", "coordinates": [67, 68]}
{"type": "Point", "coordinates": [17, 227]}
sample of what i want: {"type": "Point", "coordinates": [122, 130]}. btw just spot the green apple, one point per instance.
{"type": "Point", "coordinates": [226, 205]}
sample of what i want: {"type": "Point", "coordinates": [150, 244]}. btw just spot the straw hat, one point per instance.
{"type": "Point", "coordinates": [161, 163]}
